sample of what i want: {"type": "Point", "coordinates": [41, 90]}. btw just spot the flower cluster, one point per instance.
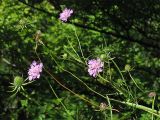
{"type": "Point", "coordinates": [65, 14]}
{"type": "Point", "coordinates": [35, 70]}
{"type": "Point", "coordinates": [95, 66]}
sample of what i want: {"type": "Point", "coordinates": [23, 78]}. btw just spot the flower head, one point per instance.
{"type": "Point", "coordinates": [35, 70]}
{"type": "Point", "coordinates": [95, 66]}
{"type": "Point", "coordinates": [152, 94]}
{"type": "Point", "coordinates": [65, 14]}
{"type": "Point", "coordinates": [103, 106]}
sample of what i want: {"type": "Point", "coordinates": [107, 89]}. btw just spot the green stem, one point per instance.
{"type": "Point", "coordinates": [134, 81]}
{"type": "Point", "coordinates": [58, 98]}
{"type": "Point", "coordinates": [153, 106]}
{"type": "Point", "coordinates": [121, 92]}
{"type": "Point", "coordinates": [28, 82]}
{"type": "Point", "coordinates": [141, 107]}
{"type": "Point", "coordinates": [110, 107]}
{"type": "Point", "coordinates": [105, 116]}
{"type": "Point", "coordinates": [79, 45]}
{"type": "Point", "coordinates": [126, 103]}
{"type": "Point", "coordinates": [73, 49]}
{"type": "Point", "coordinates": [122, 77]}
{"type": "Point", "coordinates": [86, 100]}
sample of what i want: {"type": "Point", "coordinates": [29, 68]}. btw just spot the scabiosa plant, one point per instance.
{"type": "Point", "coordinates": [35, 70]}
{"type": "Point", "coordinates": [65, 14]}
{"type": "Point", "coordinates": [95, 66]}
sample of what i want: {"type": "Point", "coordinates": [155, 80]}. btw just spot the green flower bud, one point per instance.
{"type": "Point", "coordinates": [103, 56]}
{"type": "Point", "coordinates": [18, 81]}
{"type": "Point", "coordinates": [127, 67]}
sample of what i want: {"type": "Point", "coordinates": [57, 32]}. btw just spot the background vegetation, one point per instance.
{"type": "Point", "coordinates": [127, 31]}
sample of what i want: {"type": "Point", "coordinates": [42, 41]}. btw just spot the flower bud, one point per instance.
{"type": "Point", "coordinates": [152, 94]}
{"type": "Point", "coordinates": [103, 106]}
{"type": "Point", "coordinates": [18, 81]}
{"type": "Point", "coordinates": [127, 67]}
{"type": "Point", "coordinates": [103, 56]}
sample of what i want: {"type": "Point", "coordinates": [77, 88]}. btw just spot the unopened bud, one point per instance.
{"type": "Point", "coordinates": [152, 94]}
{"type": "Point", "coordinates": [18, 81]}
{"type": "Point", "coordinates": [127, 67]}
{"type": "Point", "coordinates": [103, 106]}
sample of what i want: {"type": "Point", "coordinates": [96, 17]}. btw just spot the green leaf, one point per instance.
{"type": "Point", "coordinates": [24, 103]}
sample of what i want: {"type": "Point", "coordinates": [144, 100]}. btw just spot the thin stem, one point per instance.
{"type": "Point", "coordinates": [111, 85]}
{"type": "Point", "coordinates": [28, 82]}
{"type": "Point", "coordinates": [58, 98]}
{"type": "Point", "coordinates": [73, 49]}
{"type": "Point", "coordinates": [94, 104]}
{"type": "Point", "coordinates": [126, 103]}
{"type": "Point", "coordinates": [110, 107]}
{"type": "Point", "coordinates": [15, 88]}
{"type": "Point", "coordinates": [141, 107]}
{"type": "Point", "coordinates": [65, 86]}
{"type": "Point", "coordinates": [134, 81]}
{"type": "Point", "coordinates": [79, 45]}
{"type": "Point", "coordinates": [78, 60]}
{"type": "Point", "coordinates": [105, 116]}
{"type": "Point", "coordinates": [26, 79]}
{"type": "Point", "coordinates": [14, 93]}
{"type": "Point", "coordinates": [113, 94]}
{"type": "Point", "coordinates": [121, 76]}
{"type": "Point", "coordinates": [83, 83]}
{"type": "Point", "coordinates": [153, 106]}
{"type": "Point", "coordinates": [69, 89]}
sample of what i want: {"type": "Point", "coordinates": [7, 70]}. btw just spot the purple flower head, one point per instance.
{"type": "Point", "coordinates": [95, 66]}
{"type": "Point", "coordinates": [35, 70]}
{"type": "Point", "coordinates": [65, 14]}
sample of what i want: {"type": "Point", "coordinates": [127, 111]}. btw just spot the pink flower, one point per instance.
{"type": "Point", "coordinates": [95, 66]}
{"type": "Point", "coordinates": [65, 14]}
{"type": "Point", "coordinates": [35, 70]}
